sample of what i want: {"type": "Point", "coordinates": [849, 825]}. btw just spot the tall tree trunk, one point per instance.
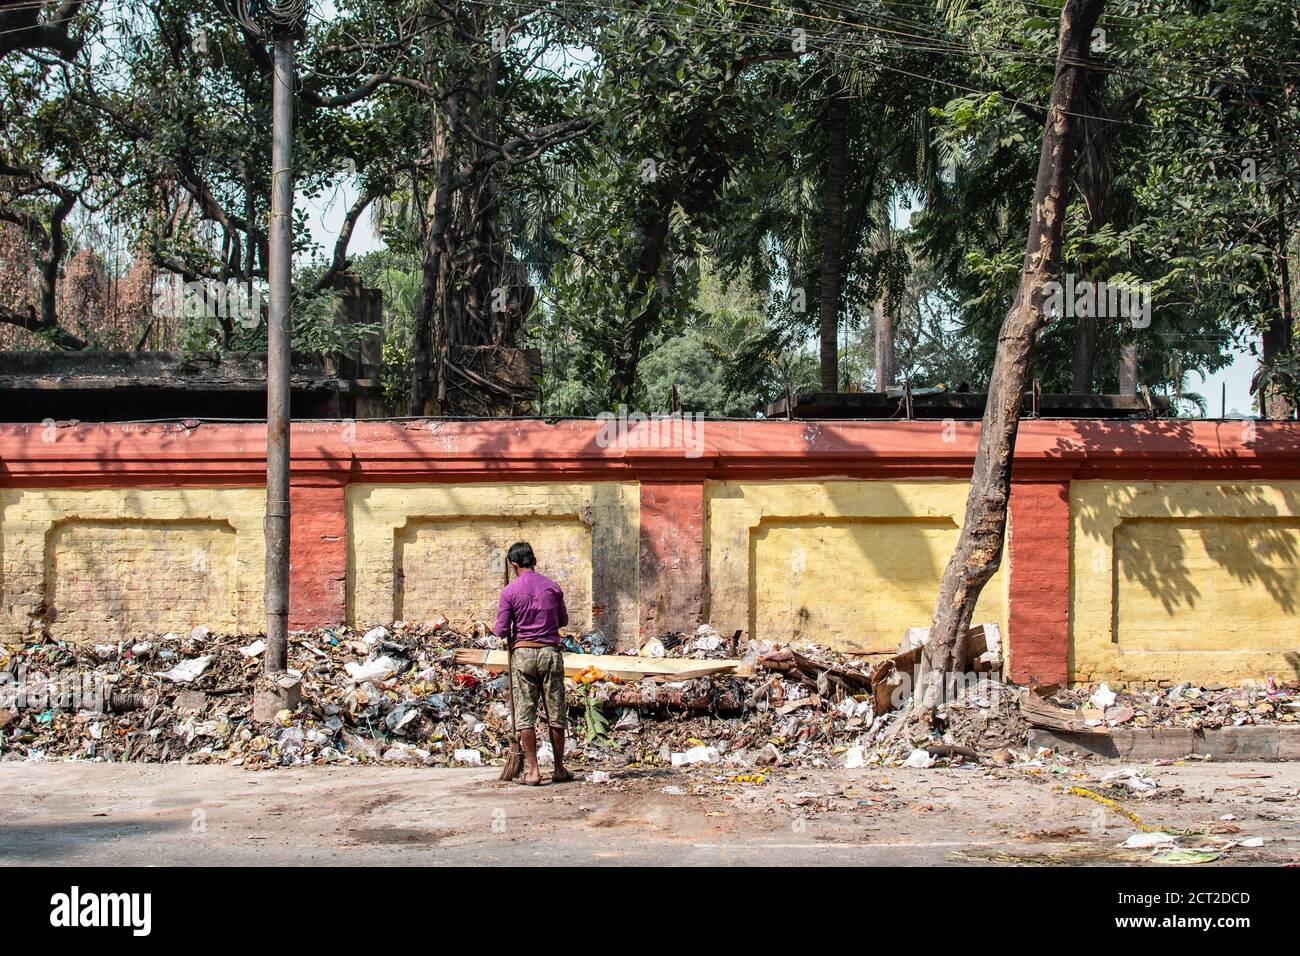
{"type": "Point", "coordinates": [1095, 185]}
{"type": "Point", "coordinates": [427, 378]}
{"type": "Point", "coordinates": [886, 356]}
{"type": "Point", "coordinates": [1277, 345]}
{"type": "Point", "coordinates": [979, 546]}
{"type": "Point", "coordinates": [655, 227]}
{"type": "Point", "coordinates": [883, 308]}
{"type": "Point", "coordinates": [1085, 355]}
{"type": "Point", "coordinates": [837, 163]}
{"type": "Point", "coordinates": [1128, 368]}
{"type": "Point", "coordinates": [1279, 336]}
{"type": "Point", "coordinates": [637, 326]}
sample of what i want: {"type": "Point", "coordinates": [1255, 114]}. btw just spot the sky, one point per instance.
{"type": "Point", "coordinates": [1236, 377]}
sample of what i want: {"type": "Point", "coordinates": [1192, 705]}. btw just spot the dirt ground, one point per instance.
{"type": "Point", "coordinates": [111, 814]}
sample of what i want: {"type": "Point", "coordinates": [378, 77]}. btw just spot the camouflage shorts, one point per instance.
{"type": "Point", "coordinates": [538, 676]}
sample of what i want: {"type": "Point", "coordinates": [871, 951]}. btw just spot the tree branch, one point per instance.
{"type": "Point", "coordinates": [21, 28]}
{"type": "Point", "coordinates": [28, 321]}
{"type": "Point", "coordinates": [339, 262]}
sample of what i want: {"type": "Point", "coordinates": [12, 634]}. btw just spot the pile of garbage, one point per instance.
{"type": "Point", "coordinates": [425, 694]}
{"type": "Point", "coordinates": [382, 694]}
{"type": "Point", "coordinates": [1185, 706]}
{"type": "Point", "coordinates": [396, 694]}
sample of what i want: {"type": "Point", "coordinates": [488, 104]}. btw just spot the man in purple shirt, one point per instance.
{"type": "Point", "coordinates": [530, 616]}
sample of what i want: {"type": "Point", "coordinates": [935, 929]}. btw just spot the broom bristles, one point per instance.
{"type": "Point", "coordinates": [514, 762]}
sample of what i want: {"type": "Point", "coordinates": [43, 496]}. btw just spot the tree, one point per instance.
{"type": "Point", "coordinates": [979, 545]}
{"type": "Point", "coordinates": [31, 26]}
{"type": "Point", "coordinates": [688, 110]}
{"type": "Point", "coordinates": [53, 161]}
{"type": "Point", "coordinates": [837, 162]}
{"type": "Point", "coordinates": [809, 219]}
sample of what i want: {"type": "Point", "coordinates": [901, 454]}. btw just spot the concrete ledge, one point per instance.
{"type": "Point", "coordinates": [1171, 743]}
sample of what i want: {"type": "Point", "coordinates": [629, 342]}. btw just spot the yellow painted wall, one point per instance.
{"type": "Point", "coordinates": [1171, 581]}
{"type": "Point", "coordinates": [1179, 581]}
{"type": "Point", "coordinates": [110, 564]}
{"type": "Point", "coordinates": [416, 551]}
{"type": "Point", "coordinates": [846, 563]}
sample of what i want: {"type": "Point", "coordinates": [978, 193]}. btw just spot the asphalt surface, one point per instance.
{"type": "Point", "coordinates": [78, 813]}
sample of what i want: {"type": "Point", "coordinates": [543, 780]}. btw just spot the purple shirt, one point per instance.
{"type": "Point", "coordinates": [534, 604]}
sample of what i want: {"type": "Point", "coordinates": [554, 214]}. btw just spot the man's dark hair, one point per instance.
{"type": "Point", "coordinates": [521, 553]}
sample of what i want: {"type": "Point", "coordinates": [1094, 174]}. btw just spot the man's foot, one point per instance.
{"type": "Point", "coordinates": [532, 772]}
{"type": "Point", "coordinates": [560, 775]}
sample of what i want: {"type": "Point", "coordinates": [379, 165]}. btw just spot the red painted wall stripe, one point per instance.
{"type": "Point", "coordinates": [318, 553]}
{"type": "Point", "coordinates": [672, 556]}
{"type": "Point", "coordinates": [1038, 600]}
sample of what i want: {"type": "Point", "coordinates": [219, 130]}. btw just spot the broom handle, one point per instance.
{"type": "Point", "coordinates": [510, 668]}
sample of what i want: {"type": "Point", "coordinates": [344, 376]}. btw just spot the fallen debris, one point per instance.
{"type": "Point", "coordinates": [1097, 708]}
{"type": "Point", "coordinates": [610, 665]}
{"type": "Point", "coordinates": [424, 694]}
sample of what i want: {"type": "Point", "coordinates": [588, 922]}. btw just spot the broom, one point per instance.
{"type": "Point", "coordinates": [515, 755]}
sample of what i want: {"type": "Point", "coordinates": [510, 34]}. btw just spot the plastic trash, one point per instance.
{"type": "Point", "coordinates": [405, 753]}
{"type": "Point", "coordinates": [1102, 697]}
{"type": "Point", "coordinates": [919, 759]}
{"type": "Point", "coordinates": [381, 668]}
{"type": "Point", "coordinates": [697, 755]}
{"type": "Point", "coordinates": [186, 671]}
{"type": "Point", "coordinates": [1145, 841]}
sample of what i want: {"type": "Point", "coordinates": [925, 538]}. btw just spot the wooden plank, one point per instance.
{"type": "Point", "coordinates": [1039, 713]}
{"type": "Point", "coordinates": [615, 665]}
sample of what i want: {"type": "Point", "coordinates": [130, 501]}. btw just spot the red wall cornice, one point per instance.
{"type": "Point", "coordinates": [533, 450]}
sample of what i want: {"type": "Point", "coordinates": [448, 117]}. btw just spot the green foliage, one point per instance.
{"type": "Point", "coordinates": [1160, 196]}
{"type": "Point", "coordinates": [595, 725]}
{"type": "Point", "coordinates": [681, 238]}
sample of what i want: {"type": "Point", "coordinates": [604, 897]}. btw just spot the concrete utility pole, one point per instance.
{"type": "Point", "coordinates": [279, 274]}
{"type": "Point", "coordinates": [281, 20]}
{"type": "Point", "coordinates": [276, 690]}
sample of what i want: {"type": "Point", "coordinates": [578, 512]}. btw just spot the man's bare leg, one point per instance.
{"type": "Point", "coordinates": [532, 772]}
{"type": "Point", "coordinates": [560, 774]}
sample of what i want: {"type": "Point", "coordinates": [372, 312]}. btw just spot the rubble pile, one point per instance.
{"type": "Point", "coordinates": [1185, 706]}
{"type": "Point", "coordinates": [382, 694]}
{"type": "Point", "coordinates": [398, 695]}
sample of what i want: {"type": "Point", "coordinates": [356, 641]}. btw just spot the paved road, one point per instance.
{"type": "Point", "coordinates": [98, 814]}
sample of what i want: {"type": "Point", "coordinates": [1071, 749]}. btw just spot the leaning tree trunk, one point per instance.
{"type": "Point", "coordinates": [837, 163]}
{"type": "Point", "coordinates": [979, 546]}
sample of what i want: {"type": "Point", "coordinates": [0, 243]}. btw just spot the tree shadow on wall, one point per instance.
{"type": "Point", "coordinates": [1249, 530]}
{"type": "Point", "coordinates": [571, 450]}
